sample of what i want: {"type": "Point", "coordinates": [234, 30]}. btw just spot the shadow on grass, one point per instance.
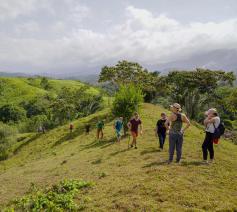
{"type": "Point", "coordinates": [192, 163]}
{"type": "Point", "coordinates": [99, 144]}
{"type": "Point", "coordinates": [144, 152]}
{"type": "Point", "coordinates": [98, 161]}
{"type": "Point", "coordinates": [26, 143]}
{"type": "Point", "coordinates": [118, 152]}
{"type": "Point", "coordinates": [155, 164]}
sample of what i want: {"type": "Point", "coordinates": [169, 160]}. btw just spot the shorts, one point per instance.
{"type": "Point", "coordinates": [134, 134]}
{"type": "Point", "coordinates": [118, 133]}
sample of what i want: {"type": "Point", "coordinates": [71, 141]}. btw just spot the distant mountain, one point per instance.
{"type": "Point", "coordinates": [12, 74]}
{"type": "Point", "coordinates": [224, 59]}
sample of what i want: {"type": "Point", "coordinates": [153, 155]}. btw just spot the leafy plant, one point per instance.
{"type": "Point", "coordinates": [7, 138]}
{"type": "Point", "coordinates": [59, 197]}
{"type": "Point", "coordinates": [127, 100]}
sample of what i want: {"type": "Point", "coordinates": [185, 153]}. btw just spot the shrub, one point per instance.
{"type": "Point", "coordinates": [12, 113]}
{"type": "Point", "coordinates": [56, 198]}
{"type": "Point", "coordinates": [127, 100]}
{"type": "Point", "coordinates": [7, 138]}
{"type": "Point", "coordinates": [228, 124]}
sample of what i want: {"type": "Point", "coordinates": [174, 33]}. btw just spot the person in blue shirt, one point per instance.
{"type": "Point", "coordinates": [118, 126]}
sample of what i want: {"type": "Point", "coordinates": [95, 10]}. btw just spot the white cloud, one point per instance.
{"type": "Point", "coordinates": [14, 8]}
{"type": "Point", "coordinates": [142, 37]}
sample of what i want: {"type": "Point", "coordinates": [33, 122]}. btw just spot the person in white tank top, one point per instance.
{"type": "Point", "coordinates": [211, 122]}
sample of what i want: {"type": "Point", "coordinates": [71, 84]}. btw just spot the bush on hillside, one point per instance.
{"type": "Point", "coordinates": [7, 138]}
{"type": "Point", "coordinates": [12, 113]}
{"type": "Point", "coordinates": [59, 197]}
{"type": "Point", "coordinates": [127, 100]}
{"type": "Point", "coordinates": [37, 106]}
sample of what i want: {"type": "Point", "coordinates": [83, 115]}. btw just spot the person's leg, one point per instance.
{"type": "Point", "coordinates": [179, 145]}
{"type": "Point", "coordinates": [133, 138]}
{"type": "Point", "coordinates": [118, 135]}
{"type": "Point", "coordinates": [164, 137]}
{"type": "Point", "coordinates": [102, 133]}
{"type": "Point", "coordinates": [210, 147]}
{"type": "Point", "coordinates": [98, 134]}
{"type": "Point", "coordinates": [204, 146]}
{"type": "Point", "coordinates": [171, 146]}
{"type": "Point", "coordinates": [160, 141]}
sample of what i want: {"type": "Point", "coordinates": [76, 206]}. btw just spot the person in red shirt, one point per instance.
{"type": "Point", "coordinates": [133, 126]}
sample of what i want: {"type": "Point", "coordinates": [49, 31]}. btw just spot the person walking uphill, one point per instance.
{"type": "Point", "coordinates": [133, 126]}
{"type": "Point", "coordinates": [100, 126]}
{"type": "Point", "coordinates": [211, 122]}
{"type": "Point", "coordinates": [161, 130]}
{"type": "Point", "coordinates": [176, 120]}
{"type": "Point", "coordinates": [118, 126]}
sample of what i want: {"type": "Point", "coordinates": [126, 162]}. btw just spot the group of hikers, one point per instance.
{"type": "Point", "coordinates": [174, 125]}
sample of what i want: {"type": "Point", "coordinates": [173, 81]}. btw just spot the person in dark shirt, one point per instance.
{"type": "Point", "coordinates": [133, 126]}
{"type": "Point", "coordinates": [161, 130]}
{"type": "Point", "coordinates": [87, 128]}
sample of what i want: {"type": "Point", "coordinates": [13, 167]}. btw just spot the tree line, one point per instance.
{"type": "Point", "coordinates": [196, 90]}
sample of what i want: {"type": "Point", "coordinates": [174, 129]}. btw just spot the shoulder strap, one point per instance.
{"type": "Point", "coordinates": [214, 125]}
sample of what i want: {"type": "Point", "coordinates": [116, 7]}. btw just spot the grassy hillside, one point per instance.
{"type": "Point", "coordinates": [15, 90]}
{"type": "Point", "coordinates": [125, 180]}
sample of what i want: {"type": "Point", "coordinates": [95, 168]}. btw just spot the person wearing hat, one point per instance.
{"type": "Point", "coordinates": [174, 124]}
{"type": "Point", "coordinates": [211, 122]}
{"type": "Point", "coordinates": [161, 130]}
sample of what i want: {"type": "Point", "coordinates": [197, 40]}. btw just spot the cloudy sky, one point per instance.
{"type": "Point", "coordinates": [64, 36]}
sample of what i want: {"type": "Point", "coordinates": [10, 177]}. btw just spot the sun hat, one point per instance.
{"type": "Point", "coordinates": [176, 106]}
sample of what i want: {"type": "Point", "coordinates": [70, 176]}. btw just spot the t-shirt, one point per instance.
{"type": "Point", "coordinates": [100, 125]}
{"type": "Point", "coordinates": [134, 124]}
{"type": "Point", "coordinates": [210, 126]}
{"type": "Point", "coordinates": [161, 129]}
{"type": "Point", "coordinates": [118, 125]}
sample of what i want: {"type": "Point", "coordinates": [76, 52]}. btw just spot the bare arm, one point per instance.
{"type": "Point", "coordinates": [129, 125]}
{"type": "Point", "coordinates": [185, 120]}
{"type": "Point", "coordinates": [209, 120]}
{"type": "Point", "coordinates": [168, 121]}
{"type": "Point", "coordinates": [141, 128]}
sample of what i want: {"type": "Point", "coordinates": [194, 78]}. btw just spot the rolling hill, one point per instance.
{"type": "Point", "coordinates": [16, 90]}
{"type": "Point", "coordinates": [125, 179]}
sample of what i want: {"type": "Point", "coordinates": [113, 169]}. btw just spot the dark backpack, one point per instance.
{"type": "Point", "coordinates": [219, 131]}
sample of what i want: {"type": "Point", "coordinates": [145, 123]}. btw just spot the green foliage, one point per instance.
{"type": "Point", "coordinates": [36, 121]}
{"type": "Point", "coordinates": [12, 113]}
{"type": "Point", "coordinates": [56, 198]}
{"type": "Point", "coordinates": [7, 138]}
{"type": "Point", "coordinates": [44, 83]}
{"type": "Point", "coordinates": [192, 88]}
{"type": "Point", "coordinates": [71, 104]}
{"type": "Point", "coordinates": [125, 72]}
{"type": "Point", "coordinates": [37, 106]}
{"type": "Point", "coordinates": [127, 100]}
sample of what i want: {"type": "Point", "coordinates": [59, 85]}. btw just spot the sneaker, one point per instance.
{"type": "Point", "coordinates": [178, 161]}
{"type": "Point", "coordinates": [205, 162]}
{"type": "Point", "coordinates": [131, 146]}
{"type": "Point", "coordinates": [169, 162]}
{"type": "Point", "coordinates": [211, 161]}
{"type": "Point", "coordinates": [135, 147]}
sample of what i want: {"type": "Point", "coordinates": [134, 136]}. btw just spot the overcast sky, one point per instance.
{"type": "Point", "coordinates": [79, 35]}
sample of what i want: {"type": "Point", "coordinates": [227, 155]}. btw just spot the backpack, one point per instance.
{"type": "Point", "coordinates": [219, 131]}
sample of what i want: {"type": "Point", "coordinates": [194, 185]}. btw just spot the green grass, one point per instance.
{"type": "Point", "coordinates": [16, 90]}
{"type": "Point", "coordinates": [125, 180]}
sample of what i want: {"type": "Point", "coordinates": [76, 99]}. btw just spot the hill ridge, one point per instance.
{"type": "Point", "coordinates": [126, 179]}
